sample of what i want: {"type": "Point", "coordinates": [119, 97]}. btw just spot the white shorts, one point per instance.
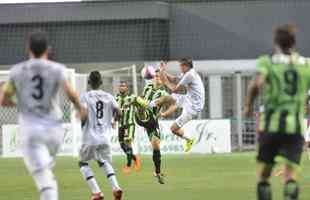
{"type": "Point", "coordinates": [188, 113]}
{"type": "Point", "coordinates": [99, 153]}
{"type": "Point", "coordinates": [40, 145]}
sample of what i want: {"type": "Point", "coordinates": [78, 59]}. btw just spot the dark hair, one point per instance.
{"type": "Point", "coordinates": [38, 43]}
{"type": "Point", "coordinates": [187, 61]}
{"type": "Point", "coordinates": [285, 37]}
{"type": "Point", "coordinates": [123, 82]}
{"type": "Point", "coordinates": [157, 70]}
{"type": "Point", "coordinates": [95, 79]}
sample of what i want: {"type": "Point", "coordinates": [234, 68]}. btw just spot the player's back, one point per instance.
{"type": "Point", "coordinates": [101, 106]}
{"type": "Point", "coordinates": [37, 83]}
{"type": "Point", "coordinates": [287, 83]}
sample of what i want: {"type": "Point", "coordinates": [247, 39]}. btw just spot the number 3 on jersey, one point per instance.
{"type": "Point", "coordinates": [99, 109]}
{"type": "Point", "coordinates": [38, 93]}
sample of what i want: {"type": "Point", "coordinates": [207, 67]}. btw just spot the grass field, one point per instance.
{"type": "Point", "coordinates": [189, 177]}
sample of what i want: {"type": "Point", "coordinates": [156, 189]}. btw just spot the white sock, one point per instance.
{"type": "Point", "coordinates": [185, 137]}
{"type": "Point", "coordinates": [46, 184]}
{"type": "Point", "coordinates": [90, 179]}
{"type": "Point", "coordinates": [109, 171]}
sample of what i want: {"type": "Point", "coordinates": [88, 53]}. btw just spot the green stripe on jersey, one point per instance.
{"type": "Point", "coordinates": [285, 91]}
{"type": "Point", "coordinates": [127, 111]}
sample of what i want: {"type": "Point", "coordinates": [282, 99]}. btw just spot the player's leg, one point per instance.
{"type": "Point", "coordinates": [263, 189]}
{"type": "Point", "coordinates": [39, 164]}
{"type": "Point", "coordinates": [128, 139]}
{"type": "Point", "coordinates": [267, 151]}
{"type": "Point", "coordinates": [126, 149]}
{"type": "Point", "coordinates": [155, 141]}
{"type": "Point", "coordinates": [104, 159]}
{"type": "Point", "coordinates": [86, 154]}
{"type": "Point", "coordinates": [177, 129]}
{"type": "Point", "coordinates": [291, 152]}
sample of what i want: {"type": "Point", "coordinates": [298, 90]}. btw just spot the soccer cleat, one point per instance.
{"type": "Point", "coordinates": [137, 163]}
{"type": "Point", "coordinates": [97, 196]}
{"type": "Point", "coordinates": [126, 170]}
{"type": "Point", "coordinates": [189, 145]}
{"type": "Point", "coordinates": [118, 193]}
{"type": "Point", "coordinates": [160, 178]}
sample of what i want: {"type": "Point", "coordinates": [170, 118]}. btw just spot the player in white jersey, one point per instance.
{"type": "Point", "coordinates": [192, 103]}
{"type": "Point", "coordinates": [97, 130]}
{"type": "Point", "coordinates": [36, 83]}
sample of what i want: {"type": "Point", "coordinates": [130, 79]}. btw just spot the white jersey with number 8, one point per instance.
{"type": "Point", "coordinates": [98, 127]}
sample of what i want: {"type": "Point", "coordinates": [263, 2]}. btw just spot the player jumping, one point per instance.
{"type": "Point", "coordinates": [285, 77]}
{"type": "Point", "coordinates": [126, 126]}
{"type": "Point", "coordinates": [192, 103]}
{"type": "Point", "coordinates": [37, 82]}
{"type": "Point", "coordinates": [97, 129]}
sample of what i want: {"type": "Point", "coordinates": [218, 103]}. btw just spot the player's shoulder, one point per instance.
{"type": "Point", "coordinates": [55, 65]}
{"type": "Point", "coordinates": [18, 67]}
{"type": "Point", "coordinates": [264, 59]}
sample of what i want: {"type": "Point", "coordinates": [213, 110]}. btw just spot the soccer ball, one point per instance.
{"type": "Point", "coordinates": [148, 72]}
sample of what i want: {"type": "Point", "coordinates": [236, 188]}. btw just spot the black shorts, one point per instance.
{"type": "Point", "coordinates": [151, 126]}
{"type": "Point", "coordinates": [287, 146]}
{"type": "Point", "coordinates": [126, 133]}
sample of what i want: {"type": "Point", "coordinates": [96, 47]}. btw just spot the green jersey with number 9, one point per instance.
{"type": "Point", "coordinates": [287, 80]}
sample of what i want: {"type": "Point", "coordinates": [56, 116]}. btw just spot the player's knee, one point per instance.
{"type": "Point", "coordinates": [82, 164]}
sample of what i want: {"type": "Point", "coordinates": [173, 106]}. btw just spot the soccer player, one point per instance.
{"type": "Point", "coordinates": [126, 126]}
{"type": "Point", "coordinates": [148, 118]}
{"type": "Point", "coordinates": [284, 77]}
{"type": "Point", "coordinates": [36, 82]}
{"type": "Point", "coordinates": [97, 128]}
{"type": "Point", "coordinates": [192, 102]}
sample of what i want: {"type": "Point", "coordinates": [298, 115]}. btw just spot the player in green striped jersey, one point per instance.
{"type": "Point", "coordinates": [126, 126]}
{"type": "Point", "coordinates": [285, 80]}
{"type": "Point", "coordinates": [148, 118]}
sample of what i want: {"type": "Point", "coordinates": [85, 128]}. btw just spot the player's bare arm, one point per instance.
{"type": "Point", "coordinates": [253, 92]}
{"type": "Point", "coordinates": [6, 93]}
{"type": "Point", "coordinates": [74, 98]}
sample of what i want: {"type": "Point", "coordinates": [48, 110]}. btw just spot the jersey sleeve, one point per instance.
{"type": "Point", "coordinates": [114, 103]}
{"type": "Point", "coordinates": [262, 65]}
{"type": "Point", "coordinates": [186, 79]}
{"type": "Point", "coordinates": [62, 73]}
{"type": "Point", "coordinates": [83, 99]}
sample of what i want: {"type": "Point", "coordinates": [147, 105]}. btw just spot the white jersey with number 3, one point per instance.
{"type": "Point", "coordinates": [37, 83]}
{"type": "Point", "coordinates": [98, 127]}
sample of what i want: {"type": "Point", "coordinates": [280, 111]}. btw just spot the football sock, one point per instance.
{"type": "Point", "coordinates": [109, 171]}
{"type": "Point", "coordinates": [263, 191]}
{"type": "Point", "coordinates": [291, 190]}
{"type": "Point", "coordinates": [129, 154]}
{"type": "Point", "coordinates": [89, 177]}
{"type": "Point", "coordinates": [157, 160]}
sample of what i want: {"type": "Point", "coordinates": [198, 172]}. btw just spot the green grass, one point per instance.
{"type": "Point", "coordinates": [189, 177]}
